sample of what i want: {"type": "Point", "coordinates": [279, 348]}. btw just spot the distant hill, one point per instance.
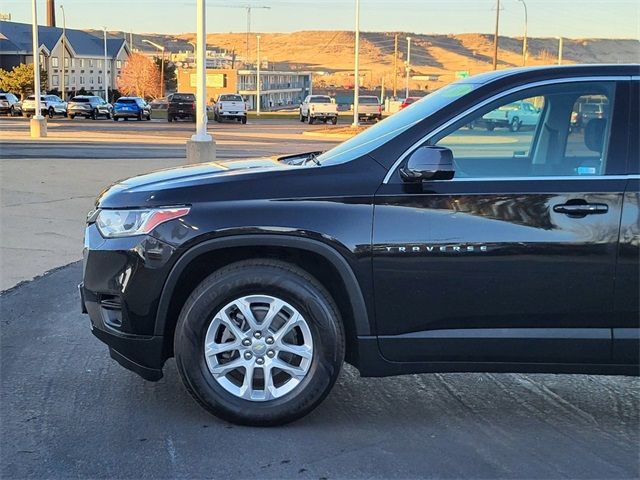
{"type": "Point", "coordinates": [437, 56]}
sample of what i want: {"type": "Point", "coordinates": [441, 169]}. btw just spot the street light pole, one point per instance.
{"type": "Point", "coordinates": [408, 68]}
{"type": "Point", "coordinates": [356, 70]}
{"type": "Point", "coordinates": [495, 36]}
{"type": "Point", "coordinates": [560, 48]}
{"type": "Point", "coordinates": [524, 39]}
{"type": "Point", "coordinates": [37, 125]}
{"type": "Point", "coordinates": [106, 78]}
{"type": "Point", "coordinates": [258, 77]}
{"type": "Point", "coordinates": [161, 48]}
{"type": "Point", "coordinates": [64, 47]}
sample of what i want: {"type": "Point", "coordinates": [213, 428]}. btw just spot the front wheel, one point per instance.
{"type": "Point", "coordinates": [259, 342]}
{"type": "Point", "coordinates": [71, 116]}
{"type": "Point", "coordinates": [244, 120]}
{"type": "Point", "coordinates": [301, 117]}
{"type": "Point", "coordinates": [311, 120]}
{"type": "Point", "coordinates": [515, 125]}
{"type": "Point", "coordinates": [94, 114]}
{"type": "Point", "coordinates": [12, 111]}
{"type": "Point", "coordinates": [115, 119]}
{"type": "Point", "coordinates": [51, 112]}
{"type": "Point", "coordinates": [334, 120]}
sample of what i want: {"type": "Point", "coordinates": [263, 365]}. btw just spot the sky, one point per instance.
{"type": "Point", "coordinates": [546, 18]}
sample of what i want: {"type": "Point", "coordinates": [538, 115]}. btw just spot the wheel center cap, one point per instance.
{"type": "Point", "coordinates": [259, 349]}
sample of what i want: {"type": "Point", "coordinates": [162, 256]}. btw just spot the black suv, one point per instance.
{"type": "Point", "coordinates": [420, 245]}
{"type": "Point", "coordinates": [181, 105]}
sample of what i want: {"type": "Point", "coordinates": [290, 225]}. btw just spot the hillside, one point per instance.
{"type": "Point", "coordinates": [436, 56]}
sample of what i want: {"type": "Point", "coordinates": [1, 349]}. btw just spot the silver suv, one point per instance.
{"type": "Point", "coordinates": [50, 105]}
{"type": "Point", "coordinates": [89, 106]}
{"type": "Point", "coordinates": [9, 104]}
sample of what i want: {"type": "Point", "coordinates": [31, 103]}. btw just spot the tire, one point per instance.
{"type": "Point", "coordinates": [115, 119]}
{"type": "Point", "coordinates": [51, 112]}
{"type": "Point", "coordinates": [491, 127]}
{"type": "Point", "coordinates": [108, 116]}
{"type": "Point", "coordinates": [71, 116]}
{"type": "Point", "coordinates": [310, 119]}
{"type": "Point", "coordinates": [216, 118]}
{"type": "Point", "coordinates": [12, 111]}
{"type": "Point", "coordinates": [334, 120]}
{"type": "Point", "coordinates": [139, 117]}
{"type": "Point", "coordinates": [270, 279]}
{"type": "Point", "coordinates": [244, 120]}
{"type": "Point", "coordinates": [302, 119]}
{"type": "Point", "coordinates": [148, 118]}
{"type": "Point", "coordinates": [94, 114]}
{"type": "Point", "coordinates": [169, 118]}
{"type": "Point", "coordinates": [515, 125]}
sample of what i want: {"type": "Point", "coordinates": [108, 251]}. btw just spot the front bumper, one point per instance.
{"type": "Point", "coordinates": [122, 284]}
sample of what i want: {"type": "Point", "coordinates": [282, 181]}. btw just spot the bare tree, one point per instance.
{"type": "Point", "coordinates": [140, 77]}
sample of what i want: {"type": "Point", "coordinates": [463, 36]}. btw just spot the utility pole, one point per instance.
{"type": "Point", "coordinates": [161, 48]}
{"type": "Point", "coordinates": [201, 147]}
{"type": "Point", "coordinates": [560, 48]}
{"type": "Point", "coordinates": [495, 36]}
{"type": "Point", "coordinates": [382, 90]}
{"type": "Point", "coordinates": [395, 67]}
{"type": "Point", "coordinates": [356, 70]}
{"type": "Point", "coordinates": [524, 38]}
{"type": "Point", "coordinates": [258, 77]}
{"type": "Point", "coordinates": [106, 83]}
{"type": "Point", "coordinates": [64, 47]}
{"type": "Point", "coordinates": [408, 68]}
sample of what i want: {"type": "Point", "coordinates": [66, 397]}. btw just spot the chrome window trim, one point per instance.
{"type": "Point", "coordinates": [543, 177]}
{"type": "Point", "coordinates": [493, 98]}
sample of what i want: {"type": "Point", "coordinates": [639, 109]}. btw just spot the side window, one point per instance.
{"type": "Point", "coordinates": [555, 130]}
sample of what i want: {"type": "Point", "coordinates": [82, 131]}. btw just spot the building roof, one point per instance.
{"type": "Point", "coordinates": [16, 38]}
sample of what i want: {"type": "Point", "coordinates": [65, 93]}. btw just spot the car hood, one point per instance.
{"type": "Point", "coordinates": [161, 187]}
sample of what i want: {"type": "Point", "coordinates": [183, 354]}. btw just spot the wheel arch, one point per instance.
{"type": "Point", "coordinates": [318, 258]}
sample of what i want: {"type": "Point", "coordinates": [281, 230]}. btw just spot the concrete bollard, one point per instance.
{"type": "Point", "coordinates": [38, 127]}
{"type": "Point", "coordinates": [201, 151]}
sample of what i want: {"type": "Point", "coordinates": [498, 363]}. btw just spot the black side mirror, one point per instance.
{"type": "Point", "coordinates": [428, 163]}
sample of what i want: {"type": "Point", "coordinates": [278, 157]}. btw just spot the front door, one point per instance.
{"type": "Point", "coordinates": [513, 260]}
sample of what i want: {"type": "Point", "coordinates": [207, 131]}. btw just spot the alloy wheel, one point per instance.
{"type": "Point", "coordinates": [258, 347]}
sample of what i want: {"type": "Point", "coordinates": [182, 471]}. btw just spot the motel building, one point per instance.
{"type": "Point", "coordinates": [278, 89]}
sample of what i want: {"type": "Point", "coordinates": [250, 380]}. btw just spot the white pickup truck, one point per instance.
{"type": "Point", "coordinates": [512, 116]}
{"type": "Point", "coordinates": [369, 108]}
{"type": "Point", "coordinates": [319, 107]}
{"type": "Point", "coordinates": [230, 106]}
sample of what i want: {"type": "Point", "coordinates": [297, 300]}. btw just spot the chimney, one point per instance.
{"type": "Point", "coordinates": [51, 13]}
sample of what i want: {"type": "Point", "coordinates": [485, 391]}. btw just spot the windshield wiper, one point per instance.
{"type": "Point", "coordinates": [312, 157]}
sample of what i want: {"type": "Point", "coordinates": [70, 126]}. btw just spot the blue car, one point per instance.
{"type": "Point", "coordinates": [131, 107]}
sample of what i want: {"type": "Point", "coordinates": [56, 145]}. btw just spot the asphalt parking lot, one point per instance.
{"type": "Point", "coordinates": [68, 411]}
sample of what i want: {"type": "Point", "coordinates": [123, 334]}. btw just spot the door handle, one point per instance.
{"type": "Point", "coordinates": [581, 209]}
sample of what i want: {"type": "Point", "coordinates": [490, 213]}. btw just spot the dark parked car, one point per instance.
{"type": "Point", "coordinates": [89, 106]}
{"type": "Point", "coordinates": [10, 104]}
{"type": "Point", "coordinates": [412, 247]}
{"type": "Point", "coordinates": [131, 107]}
{"type": "Point", "coordinates": [181, 105]}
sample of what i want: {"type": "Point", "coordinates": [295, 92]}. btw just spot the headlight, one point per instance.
{"type": "Point", "coordinates": [127, 223]}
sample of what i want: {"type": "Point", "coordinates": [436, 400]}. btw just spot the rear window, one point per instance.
{"type": "Point", "coordinates": [3, 97]}
{"type": "Point", "coordinates": [230, 98]}
{"type": "Point", "coordinates": [80, 100]}
{"type": "Point", "coordinates": [320, 100]}
{"type": "Point", "coordinates": [369, 100]}
{"type": "Point", "coordinates": [127, 100]}
{"type": "Point", "coordinates": [183, 97]}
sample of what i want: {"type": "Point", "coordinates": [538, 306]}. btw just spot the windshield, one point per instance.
{"type": "Point", "coordinates": [591, 108]}
{"type": "Point", "coordinates": [511, 106]}
{"type": "Point", "coordinates": [230, 98]}
{"type": "Point", "coordinates": [183, 97]}
{"type": "Point", "coordinates": [320, 100]}
{"type": "Point", "coordinates": [80, 99]}
{"type": "Point", "coordinates": [126, 100]}
{"type": "Point", "coordinates": [379, 134]}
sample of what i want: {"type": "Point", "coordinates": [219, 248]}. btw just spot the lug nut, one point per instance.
{"type": "Point", "coordinates": [259, 361]}
{"type": "Point", "coordinates": [271, 353]}
{"type": "Point", "coordinates": [247, 355]}
{"type": "Point", "coordinates": [257, 335]}
{"type": "Point", "coordinates": [246, 342]}
{"type": "Point", "coordinates": [269, 341]}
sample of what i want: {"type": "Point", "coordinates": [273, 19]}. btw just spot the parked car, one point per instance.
{"type": "Point", "coordinates": [230, 107]}
{"type": "Point", "coordinates": [408, 101]}
{"type": "Point", "coordinates": [586, 112]}
{"type": "Point", "coordinates": [9, 104]}
{"type": "Point", "coordinates": [369, 108]}
{"type": "Point", "coordinates": [412, 247]}
{"type": "Point", "coordinates": [512, 116]}
{"type": "Point", "coordinates": [131, 107]}
{"type": "Point", "coordinates": [50, 105]}
{"type": "Point", "coordinates": [318, 107]}
{"type": "Point", "coordinates": [89, 106]}
{"type": "Point", "coordinates": [181, 105]}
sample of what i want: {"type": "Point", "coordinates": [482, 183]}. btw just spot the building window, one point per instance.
{"type": "Point", "coordinates": [91, 63]}
{"type": "Point", "coordinates": [82, 63]}
{"type": "Point", "coordinates": [54, 62]}
{"type": "Point", "coordinates": [66, 79]}
{"type": "Point", "coordinates": [73, 80]}
{"type": "Point", "coordinates": [66, 62]}
{"type": "Point", "coordinates": [99, 63]}
{"type": "Point", "coordinates": [54, 80]}
{"type": "Point", "coordinates": [91, 80]}
{"type": "Point", "coordinates": [118, 63]}
{"type": "Point", "coordinates": [99, 79]}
